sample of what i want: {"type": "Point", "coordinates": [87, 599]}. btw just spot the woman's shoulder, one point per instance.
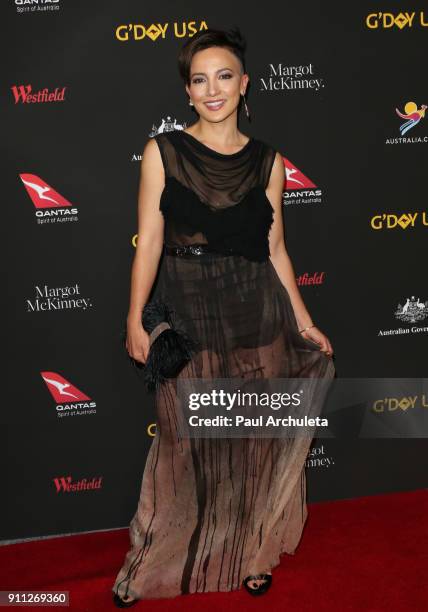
{"type": "Point", "coordinates": [169, 142]}
{"type": "Point", "coordinates": [167, 136]}
{"type": "Point", "coordinates": [265, 145]}
{"type": "Point", "coordinates": [268, 153]}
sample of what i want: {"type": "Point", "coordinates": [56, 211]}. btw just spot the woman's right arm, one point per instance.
{"type": "Point", "coordinates": [149, 247]}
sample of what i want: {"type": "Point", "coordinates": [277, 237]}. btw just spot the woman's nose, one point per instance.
{"type": "Point", "coordinates": [212, 88]}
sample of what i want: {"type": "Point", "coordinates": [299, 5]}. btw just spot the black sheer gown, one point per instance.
{"type": "Point", "coordinates": [213, 511]}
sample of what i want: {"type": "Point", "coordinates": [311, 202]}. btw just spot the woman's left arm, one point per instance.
{"type": "Point", "coordinates": [281, 261]}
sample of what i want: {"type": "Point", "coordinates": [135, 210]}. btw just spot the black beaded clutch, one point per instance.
{"type": "Point", "coordinates": [170, 348]}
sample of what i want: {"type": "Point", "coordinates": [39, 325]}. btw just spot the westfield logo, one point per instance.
{"type": "Point", "coordinates": [317, 278]}
{"type": "Point", "coordinates": [25, 95]}
{"type": "Point", "coordinates": [65, 484]}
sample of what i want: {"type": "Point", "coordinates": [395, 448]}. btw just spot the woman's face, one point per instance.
{"type": "Point", "coordinates": [216, 83]}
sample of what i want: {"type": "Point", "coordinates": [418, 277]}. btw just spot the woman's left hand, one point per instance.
{"type": "Point", "coordinates": [319, 338]}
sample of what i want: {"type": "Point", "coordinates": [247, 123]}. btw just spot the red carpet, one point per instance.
{"type": "Point", "coordinates": [367, 554]}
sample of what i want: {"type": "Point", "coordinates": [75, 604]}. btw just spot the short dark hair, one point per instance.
{"type": "Point", "coordinates": [232, 39]}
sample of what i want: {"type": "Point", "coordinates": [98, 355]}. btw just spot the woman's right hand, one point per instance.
{"type": "Point", "coordinates": [137, 342]}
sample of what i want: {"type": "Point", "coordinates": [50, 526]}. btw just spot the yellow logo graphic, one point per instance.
{"type": "Point", "coordinates": [374, 21]}
{"type": "Point", "coordinates": [392, 404]}
{"type": "Point", "coordinates": [151, 430]}
{"type": "Point", "coordinates": [139, 31]}
{"type": "Point", "coordinates": [391, 221]}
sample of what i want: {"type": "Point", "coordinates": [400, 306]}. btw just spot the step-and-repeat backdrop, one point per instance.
{"type": "Point", "coordinates": [340, 93]}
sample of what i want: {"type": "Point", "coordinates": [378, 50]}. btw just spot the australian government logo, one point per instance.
{"type": "Point", "coordinates": [166, 125]}
{"type": "Point", "coordinates": [412, 312]}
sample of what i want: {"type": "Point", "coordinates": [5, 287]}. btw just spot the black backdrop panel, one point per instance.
{"type": "Point", "coordinates": [332, 115]}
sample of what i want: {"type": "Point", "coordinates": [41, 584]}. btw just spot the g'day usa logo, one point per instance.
{"type": "Point", "coordinates": [51, 207]}
{"type": "Point", "coordinates": [70, 401]}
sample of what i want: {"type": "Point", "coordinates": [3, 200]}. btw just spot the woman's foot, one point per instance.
{"type": "Point", "coordinates": [258, 584]}
{"type": "Point", "coordinates": [123, 603]}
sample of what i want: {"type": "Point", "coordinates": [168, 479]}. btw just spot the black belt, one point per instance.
{"type": "Point", "coordinates": [193, 249]}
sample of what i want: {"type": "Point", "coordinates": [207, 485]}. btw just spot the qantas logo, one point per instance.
{"type": "Point", "coordinates": [298, 188]}
{"type": "Point", "coordinates": [42, 194]}
{"type": "Point", "coordinates": [295, 179]}
{"type": "Point", "coordinates": [50, 205]}
{"type": "Point", "coordinates": [39, 6]}
{"type": "Point", "coordinates": [70, 401]}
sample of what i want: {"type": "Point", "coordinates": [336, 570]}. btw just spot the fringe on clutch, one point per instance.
{"type": "Point", "coordinates": [170, 348]}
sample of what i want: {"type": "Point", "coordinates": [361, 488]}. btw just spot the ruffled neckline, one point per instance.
{"type": "Point", "coordinates": [202, 147]}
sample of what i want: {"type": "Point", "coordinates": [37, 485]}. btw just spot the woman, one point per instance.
{"type": "Point", "coordinates": [215, 514]}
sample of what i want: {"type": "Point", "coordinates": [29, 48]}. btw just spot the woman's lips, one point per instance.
{"type": "Point", "coordinates": [214, 106]}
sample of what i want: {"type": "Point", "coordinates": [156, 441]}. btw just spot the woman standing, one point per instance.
{"type": "Point", "coordinates": [216, 513]}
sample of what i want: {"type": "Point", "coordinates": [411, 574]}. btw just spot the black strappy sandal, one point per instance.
{"type": "Point", "coordinates": [123, 603]}
{"type": "Point", "coordinates": [261, 588]}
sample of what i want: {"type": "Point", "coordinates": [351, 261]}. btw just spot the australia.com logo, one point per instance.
{"type": "Point", "coordinates": [298, 188]}
{"type": "Point", "coordinates": [409, 117]}
{"type": "Point", "coordinates": [51, 206]}
{"type": "Point", "coordinates": [69, 400]}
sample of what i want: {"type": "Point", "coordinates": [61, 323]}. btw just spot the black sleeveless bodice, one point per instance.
{"type": "Point", "coordinates": [215, 198]}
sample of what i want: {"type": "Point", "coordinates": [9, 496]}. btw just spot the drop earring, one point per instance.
{"type": "Point", "coordinates": [247, 112]}
{"type": "Point", "coordinates": [190, 102]}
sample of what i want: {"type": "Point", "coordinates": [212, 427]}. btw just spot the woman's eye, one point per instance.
{"type": "Point", "coordinates": [222, 76]}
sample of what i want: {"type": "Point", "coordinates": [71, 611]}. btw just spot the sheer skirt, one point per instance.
{"type": "Point", "coordinates": [212, 511]}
